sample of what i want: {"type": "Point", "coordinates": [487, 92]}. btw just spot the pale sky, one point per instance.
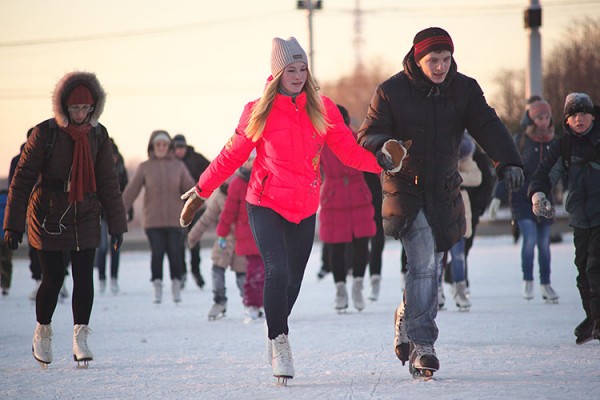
{"type": "Point", "coordinates": [189, 66]}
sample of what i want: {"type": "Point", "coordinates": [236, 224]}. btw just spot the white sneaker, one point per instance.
{"type": "Point", "coordinates": [42, 344]}
{"type": "Point", "coordinates": [528, 290]}
{"type": "Point", "coordinates": [548, 293]}
{"type": "Point", "coordinates": [375, 285]}
{"type": "Point", "coordinates": [460, 297]}
{"type": "Point", "coordinates": [357, 295]}
{"type": "Point", "coordinates": [341, 296]}
{"type": "Point", "coordinates": [81, 351]}
{"type": "Point", "coordinates": [217, 311]}
{"type": "Point", "coordinates": [114, 286]}
{"type": "Point", "coordinates": [251, 313]}
{"type": "Point", "coordinates": [157, 290]}
{"type": "Point", "coordinates": [283, 364]}
{"type": "Point", "coordinates": [176, 290]}
{"type": "Point", "coordinates": [102, 285]}
{"type": "Point", "coordinates": [33, 293]}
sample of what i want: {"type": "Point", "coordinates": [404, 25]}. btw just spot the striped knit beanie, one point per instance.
{"type": "Point", "coordinates": [578, 102]}
{"type": "Point", "coordinates": [431, 39]}
{"type": "Point", "coordinates": [284, 53]}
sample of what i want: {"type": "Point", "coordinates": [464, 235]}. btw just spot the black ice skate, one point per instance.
{"type": "Point", "coordinates": [583, 331]}
{"type": "Point", "coordinates": [423, 362]}
{"type": "Point", "coordinates": [401, 342]}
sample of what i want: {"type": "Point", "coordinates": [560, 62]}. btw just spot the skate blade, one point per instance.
{"type": "Point", "coordinates": [464, 309]}
{"type": "Point", "coordinates": [584, 341]}
{"type": "Point", "coordinates": [282, 380]}
{"type": "Point", "coordinates": [341, 310]}
{"type": "Point", "coordinates": [82, 363]}
{"type": "Point", "coordinates": [425, 375]}
{"type": "Point", "coordinates": [216, 317]}
{"type": "Point", "coordinates": [43, 364]}
{"type": "Point", "coordinates": [551, 301]}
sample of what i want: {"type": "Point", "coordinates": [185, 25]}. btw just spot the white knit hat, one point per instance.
{"type": "Point", "coordinates": [284, 53]}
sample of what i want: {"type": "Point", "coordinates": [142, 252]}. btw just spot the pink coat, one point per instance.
{"type": "Point", "coordinates": [286, 173]}
{"type": "Point", "coordinates": [346, 203]}
{"type": "Point", "coordinates": [235, 213]}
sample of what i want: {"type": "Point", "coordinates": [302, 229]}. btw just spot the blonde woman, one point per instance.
{"type": "Point", "coordinates": [289, 126]}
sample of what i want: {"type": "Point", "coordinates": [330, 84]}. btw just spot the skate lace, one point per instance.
{"type": "Point", "coordinates": [81, 334]}
{"type": "Point", "coordinates": [281, 349]}
{"type": "Point", "coordinates": [424, 350]}
{"type": "Point", "coordinates": [401, 328]}
{"type": "Point", "coordinates": [44, 338]}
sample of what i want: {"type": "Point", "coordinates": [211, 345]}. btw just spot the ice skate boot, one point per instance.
{"type": "Point", "coordinates": [548, 294]}
{"type": "Point", "coordinates": [114, 286]}
{"type": "Point", "coordinates": [157, 291]}
{"type": "Point", "coordinates": [357, 295]}
{"type": "Point", "coordinates": [441, 298]}
{"type": "Point", "coordinates": [401, 342]}
{"type": "Point", "coordinates": [375, 285]}
{"type": "Point", "coordinates": [176, 290]}
{"type": "Point", "coordinates": [423, 361]}
{"type": "Point", "coordinates": [341, 297]}
{"type": "Point", "coordinates": [217, 311]}
{"type": "Point", "coordinates": [251, 314]}
{"type": "Point", "coordinates": [460, 297]}
{"type": "Point", "coordinates": [583, 331]}
{"type": "Point", "coordinates": [102, 286]}
{"type": "Point", "coordinates": [283, 364]}
{"type": "Point", "coordinates": [42, 344]}
{"type": "Point", "coordinates": [81, 352]}
{"type": "Point", "coordinates": [596, 330]}
{"type": "Point", "coordinates": [528, 290]}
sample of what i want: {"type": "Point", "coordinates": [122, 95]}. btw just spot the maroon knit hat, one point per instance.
{"type": "Point", "coordinates": [80, 95]}
{"type": "Point", "coordinates": [431, 39]}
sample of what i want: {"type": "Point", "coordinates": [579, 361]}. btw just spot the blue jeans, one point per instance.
{"type": "Point", "coordinates": [165, 240]}
{"type": "Point", "coordinates": [458, 260]}
{"type": "Point", "coordinates": [423, 271]}
{"type": "Point", "coordinates": [103, 248]}
{"type": "Point", "coordinates": [533, 234]}
{"type": "Point", "coordinates": [285, 248]}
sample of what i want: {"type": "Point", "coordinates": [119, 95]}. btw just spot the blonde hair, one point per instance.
{"type": "Point", "coordinates": [262, 108]}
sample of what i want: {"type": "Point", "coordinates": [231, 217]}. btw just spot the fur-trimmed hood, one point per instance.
{"type": "Point", "coordinates": [63, 90]}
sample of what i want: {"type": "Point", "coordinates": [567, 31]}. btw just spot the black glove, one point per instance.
{"type": "Point", "coordinates": [116, 241]}
{"type": "Point", "coordinates": [12, 239]}
{"type": "Point", "coordinates": [513, 178]}
{"type": "Point", "coordinates": [130, 215]}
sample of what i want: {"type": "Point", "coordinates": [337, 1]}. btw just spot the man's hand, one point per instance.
{"type": "Point", "coordinates": [494, 206]}
{"type": "Point", "coordinates": [12, 239]}
{"type": "Point", "coordinates": [392, 153]}
{"type": "Point", "coordinates": [193, 202]}
{"type": "Point", "coordinates": [541, 206]}
{"type": "Point", "coordinates": [116, 241]}
{"type": "Point", "coordinates": [513, 178]}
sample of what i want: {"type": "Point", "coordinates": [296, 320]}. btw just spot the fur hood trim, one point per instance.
{"type": "Point", "coordinates": [63, 90]}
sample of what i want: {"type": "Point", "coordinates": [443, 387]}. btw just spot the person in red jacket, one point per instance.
{"type": "Point", "coordinates": [346, 223]}
{"type": "Point", "coordinates": [288, 126]}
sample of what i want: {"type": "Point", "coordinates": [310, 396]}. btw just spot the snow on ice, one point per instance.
{"type": "Point", "coordinates": [504, 348]}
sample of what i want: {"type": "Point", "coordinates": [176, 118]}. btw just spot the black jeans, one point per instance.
{"type": "Point", "coordinates": [165, 240]}
{"type": "Point", "coordinates": [54, 266]}
{"type": "Point", "coordinates": [285, 248]}
{"type": "Point", "coordinates": [353, 255]}
{"type": "Point", "coordinates": [587, 260]}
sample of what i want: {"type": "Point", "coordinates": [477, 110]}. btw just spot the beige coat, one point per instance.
{"type": "Point", "coordinates": [471, 176]}
{"type": "Point", "coordinates": [220, 257]}
{"type": "Point", "coordinates": [164, 181]}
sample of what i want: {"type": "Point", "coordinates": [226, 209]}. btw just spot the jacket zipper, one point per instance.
{"type": "Point", "coordinates": [75, 224]}
{"type": "Point", "coordinates": [262, 184]}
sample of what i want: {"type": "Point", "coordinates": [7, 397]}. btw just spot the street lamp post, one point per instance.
{"type": "Point", "coordinates": [309, 6]}
{"type": "Point", "coordinates": [533, 78]}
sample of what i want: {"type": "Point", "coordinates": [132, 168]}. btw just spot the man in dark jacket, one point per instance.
{"type": "Point", "coordinates": [429, 105]}
{"type": "Point", "coordinates": [60, 190]}
{"type": "Point", "coordinates": [196, 163]}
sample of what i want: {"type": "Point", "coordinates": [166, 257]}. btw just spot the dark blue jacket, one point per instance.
{"type": "Point", "coordinates": [583, 201]}
{"type": "Point", "coordinates": [532, 153]}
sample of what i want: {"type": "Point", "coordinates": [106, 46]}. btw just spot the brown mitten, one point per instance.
{"type": "Point", "coordinates": [396, 151]}
{"type": "Point", "coordinates": [193, 202]}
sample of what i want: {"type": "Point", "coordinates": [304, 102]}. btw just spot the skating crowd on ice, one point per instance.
{"type": "Point", "coordinates": [430, 157]}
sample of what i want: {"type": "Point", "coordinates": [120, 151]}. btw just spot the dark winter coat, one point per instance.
{"type": "Point", "coordinates": [346, 202]}
{"type": "Point", "coordinates": [532, 153]}
{"type": "Point", "coordinates": [38, 185]}
{"type": "Point", "coordinates": [482, 195]}
{"type": "Point", "coordinates": [196, 163]}
{"type": "Point", "coordinates": [409, 106]}
{"type": "Point", "coordinates": [583, 201]}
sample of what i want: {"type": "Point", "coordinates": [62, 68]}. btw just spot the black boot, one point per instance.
{"type": "Point", "coordinates": [583, 331]}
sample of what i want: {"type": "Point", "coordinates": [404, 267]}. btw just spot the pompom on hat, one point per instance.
{"type": "Point", "coordinates": [431, 39]}
{"type": "Point", "coordinates": [80, 95]}
{"type": "Point", "coordinates": [284, 53]}
{"type": "Point", "coordinates": [576, 103]}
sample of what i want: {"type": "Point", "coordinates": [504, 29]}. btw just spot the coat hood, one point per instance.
{"type": "Point", "coordinates": [151, 145]}
{"type": "Point", "coordinates": [63, 90]}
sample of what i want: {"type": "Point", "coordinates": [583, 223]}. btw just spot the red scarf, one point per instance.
{"type": "Point", "coordinates": [83, 177]}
